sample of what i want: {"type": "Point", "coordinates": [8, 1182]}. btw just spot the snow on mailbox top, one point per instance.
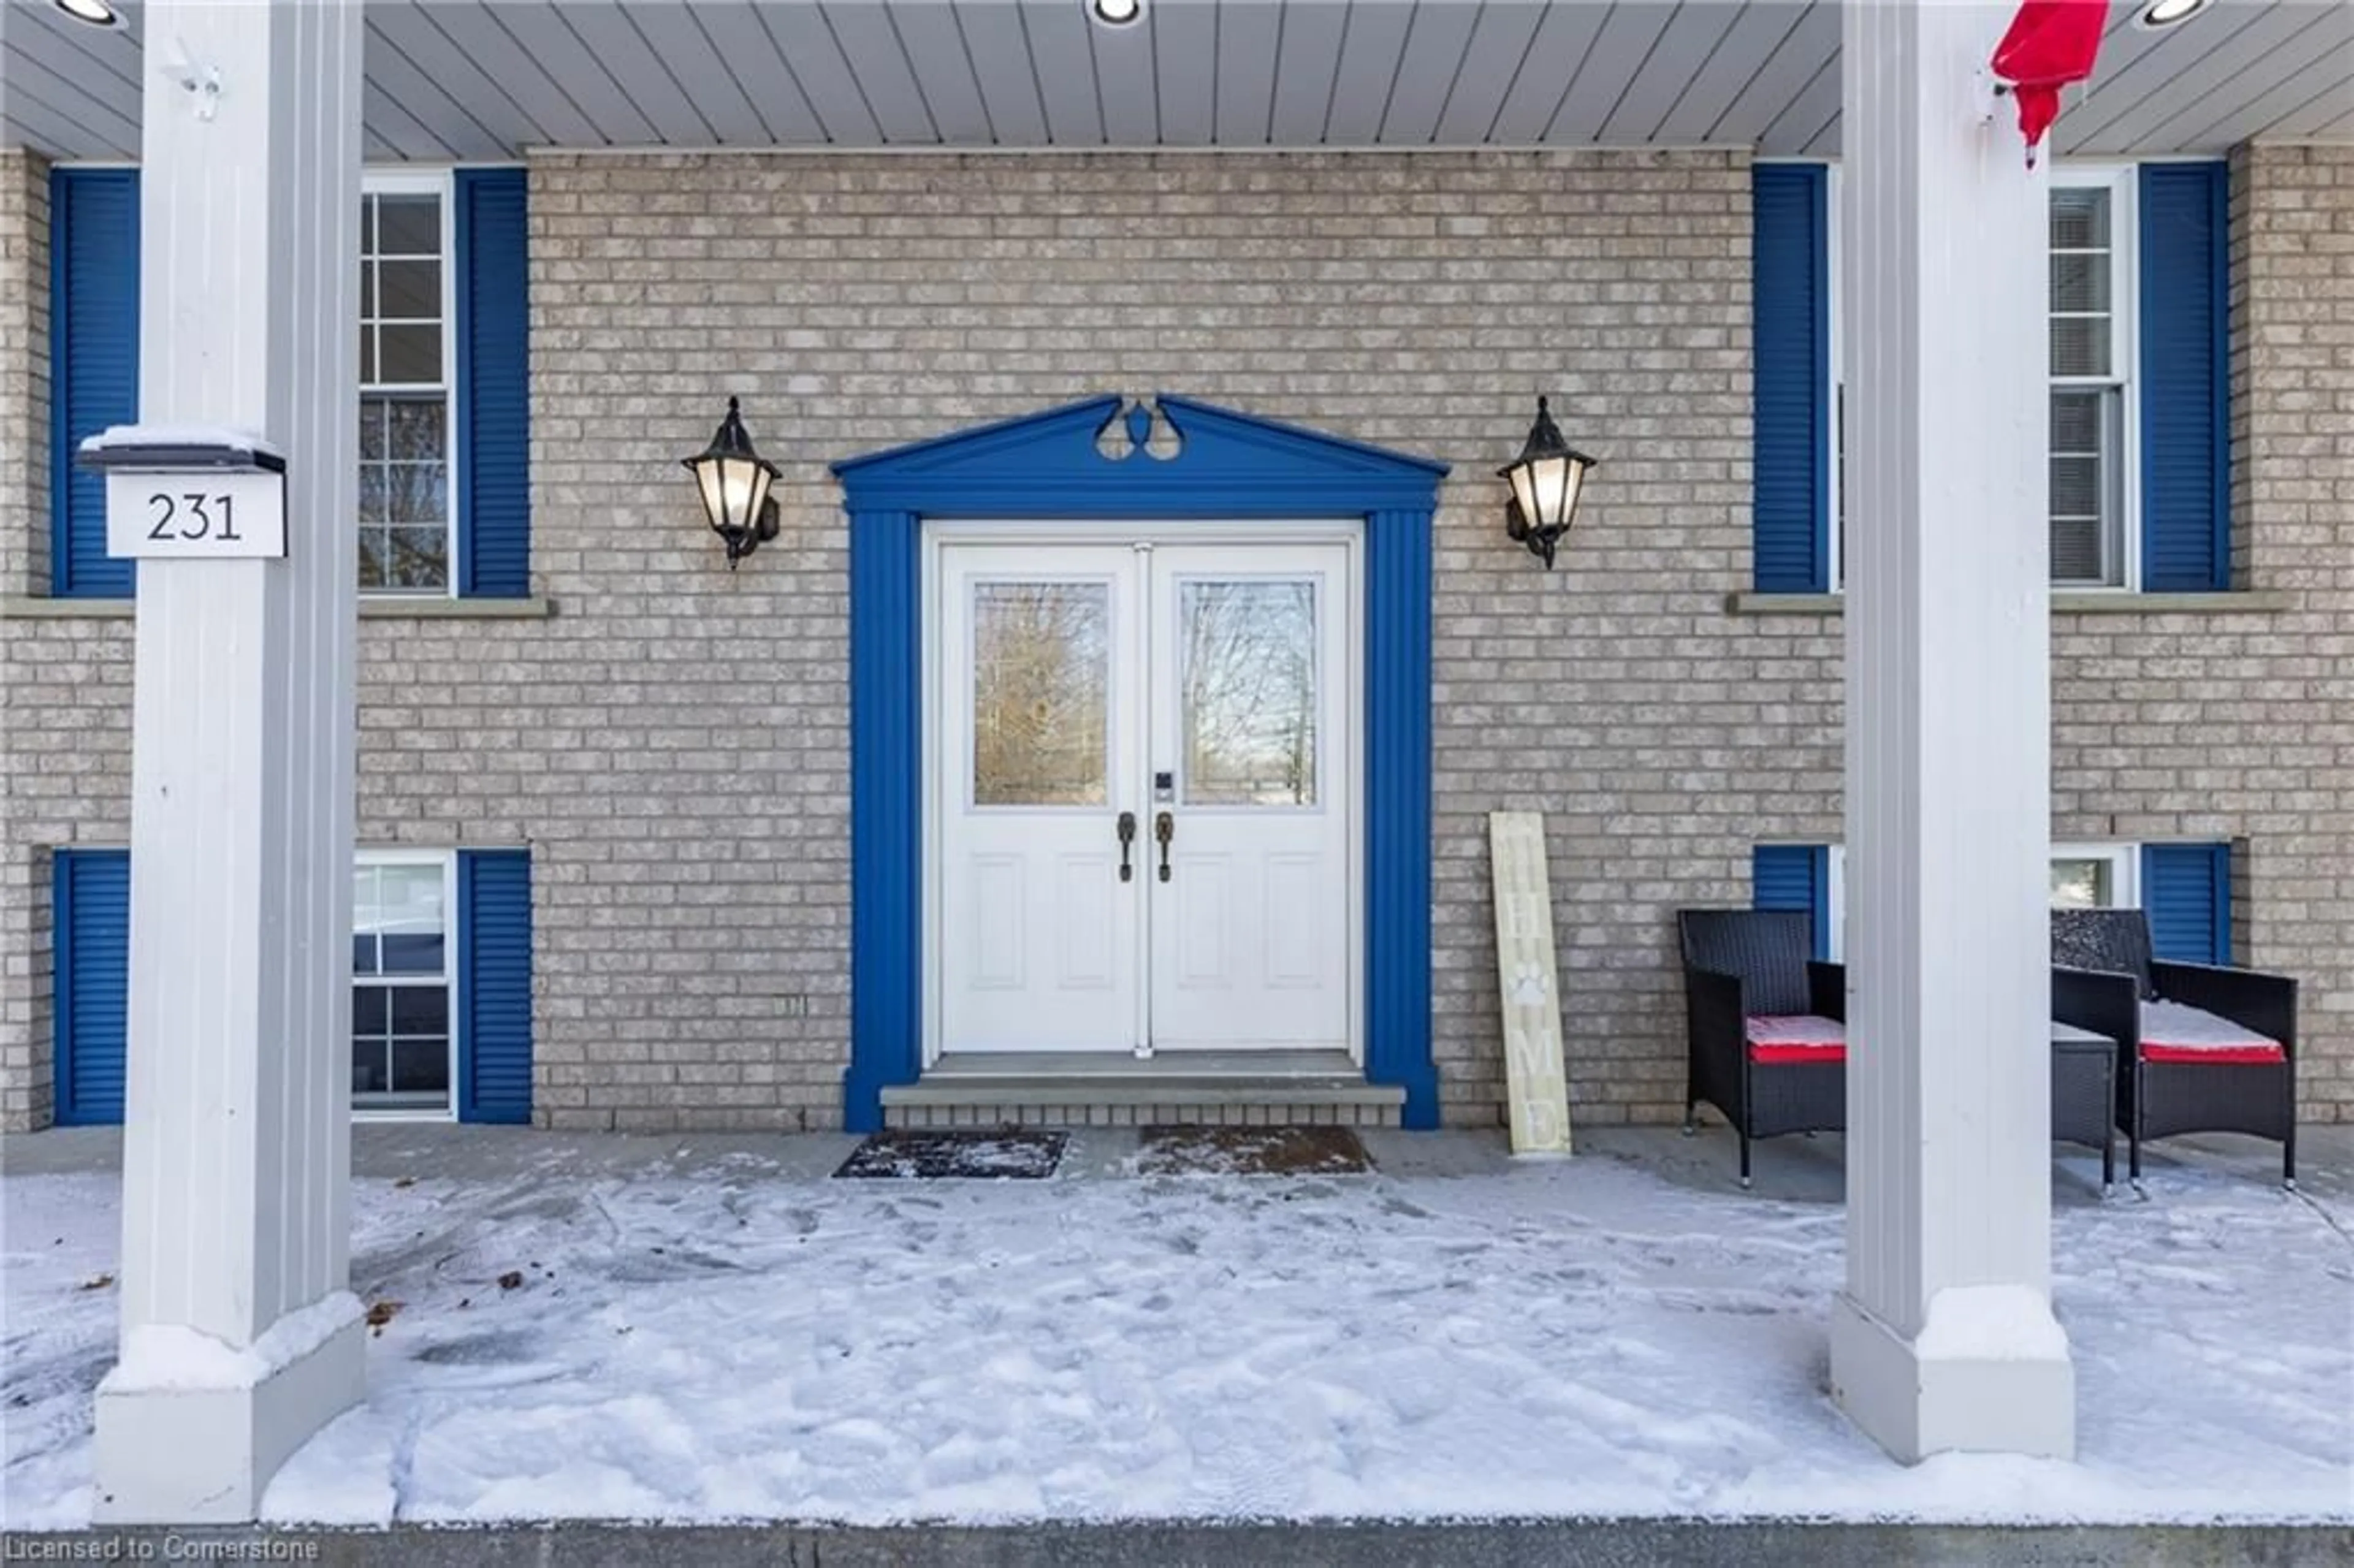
{"type": "Point", "coordinates": [180, 449]}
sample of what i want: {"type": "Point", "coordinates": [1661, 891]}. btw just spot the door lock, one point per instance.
{"type": "Point", "coordinates": [1164, 828]}
{"type": "Point", "coordinates": [1127, 837]}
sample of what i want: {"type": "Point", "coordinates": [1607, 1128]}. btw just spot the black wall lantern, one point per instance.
{"type": "Point", "coordinates": [1546, 479]}
{"type": "Point", "coordinates": [735, 481]}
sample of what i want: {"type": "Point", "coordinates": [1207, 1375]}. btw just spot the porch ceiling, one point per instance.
{"type": "Point", "coordinates": [485, 78]}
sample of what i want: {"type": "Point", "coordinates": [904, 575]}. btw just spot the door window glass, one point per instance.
{"type": "Point", "coordinates": [1249, 680]}
{"type": "Point", "coordinates": [1041, 690]}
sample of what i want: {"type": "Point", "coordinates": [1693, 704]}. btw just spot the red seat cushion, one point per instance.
{"type": "Point", "coordinates": [2171, 1031]}
{"type": "Point", "coordinates": [1795, 1038]}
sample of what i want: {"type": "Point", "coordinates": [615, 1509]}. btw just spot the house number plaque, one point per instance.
{"type": "Point", "coordinates": [196, 515]}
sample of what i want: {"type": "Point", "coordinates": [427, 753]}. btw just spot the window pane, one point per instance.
{"type": "Point", "coordinates": [1041, 684]}
{"type": "Point", "coordinates": [371, 1068]}
{"type": "Point", "coordinates": [420, 1009]}
{"type": "Point", "coordinates": [1250, 678]}
{"type": "Point", "coordinates": [409, 355]}
{"type": "Point", "coordinates": [409, 225]}
{"type": "Point", "coordinates": [2078, 283]}
{"type": "Point", "coordinates": [420, 1067]}
{"type": "Point", "coordinates": [368, 355]}
{"type": "Point", "coordinates": [2080, 219]}
{"type": "Point", "coordinates": [410, 289]}
{"type": "Point", "coordinates": [2087, 485]}
{"type": "Point", "coordinates": [412, 955]}
{"type": "Point", "coordinates": [2076, 489]}
{"type": "Point", "coordinates": [415, 492]}
{"type": "Point", "coordinates": [404, 907]}
{"type": "Point", "coordinates": [417, 429]}
{"type": "Point", "coordinates": [2083, 884]}
{"type": "Point", "coordinates": [2080, 346]}
{"type": "Point", "coordinates": [2076, 421]}
{"type": "Point", "coordinates": [375, 558]}
{"type": "Point", "coordinates": [416, 558]}
{"type": "Point", "coordinates": [373, 500]}
{"type": "Point", "coordinates": [368, 1010]}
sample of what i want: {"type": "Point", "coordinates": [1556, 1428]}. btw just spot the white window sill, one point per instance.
{"type": "Point", "coordinates": [373, 607]}
{"type": "Point", "coordinates": [2064, 601]}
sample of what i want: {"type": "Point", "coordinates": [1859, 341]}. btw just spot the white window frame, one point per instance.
{"type": "Point", "coordinates": [441, 184]}
{"type": "Point", "coordinates": [2125, 882]}
{"type": "Point", "coordinates": [2125, 344]}
{"type": "Point", "coordinates": [2125, 351]}
{"type": "Point", "coordinates": [2124, 868]}
{"type": "Point", "coordinates": [368, 859]}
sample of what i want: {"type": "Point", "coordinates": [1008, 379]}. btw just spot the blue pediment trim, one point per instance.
{"type": "Point", "coordinates": [1227, 466]}
{"type": "Point", "coordinates": [1054, 463]}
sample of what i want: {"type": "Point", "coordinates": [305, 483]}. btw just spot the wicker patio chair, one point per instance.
{"type": "Point", "coordinates": [1765, 1031]}
{"type": "Point", "coordinates": [2201, 1048]}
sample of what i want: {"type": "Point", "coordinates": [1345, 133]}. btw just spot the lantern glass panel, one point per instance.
{"type": "Point", "coordinates": [1525, 492]}
{"type": "Point", "coordinates": [1550, 480]}
{"type": "Point", "coordinates": [707, 476]}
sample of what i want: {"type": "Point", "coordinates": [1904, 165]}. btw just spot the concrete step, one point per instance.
{"type": "Point", "coordinates": [1218, 1088]}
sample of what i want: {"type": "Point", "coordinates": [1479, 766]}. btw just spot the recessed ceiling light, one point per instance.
{"type": "Point", "coordinates": [2168, 13]}
{"type": "Point", "coordinates": [1116, 12]}
{"type": "Point", "coordinates": [95, 13]}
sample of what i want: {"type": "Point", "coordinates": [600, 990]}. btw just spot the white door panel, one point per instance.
{"type": "Point", "coordinates": [1208, 687]}
{"type": "Point", "coordinates": [1035, 756]}
{"type": "Point", "coordinates": [1249, 937]}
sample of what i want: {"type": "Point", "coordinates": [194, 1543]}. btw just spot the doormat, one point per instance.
{"type": "Point", "coordinates": [1251, 1151]}
{"type": "Point", "coordinates": [981, 1153]}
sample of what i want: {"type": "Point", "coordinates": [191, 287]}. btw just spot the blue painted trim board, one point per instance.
{"type": "Point", "coordinates": [1230, 467]}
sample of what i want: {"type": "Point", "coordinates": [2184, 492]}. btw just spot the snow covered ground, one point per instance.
{"type": "Point", "coordinates": [707, 1331]}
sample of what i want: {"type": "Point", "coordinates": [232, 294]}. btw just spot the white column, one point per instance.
{"type": "Point", "coordinates": [239, 1336]}
{"type": "Point", "coordinates": [1943, 1338]}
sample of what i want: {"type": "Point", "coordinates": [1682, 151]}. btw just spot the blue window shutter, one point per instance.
{"type": "Point", "coordinates": [2185, 890]}
{"type": "Point", "coordinates": [1795, 876]}
{"type": "Point", "coordinates": [494, 985]}
{"type": "Point", "coordinates": [2186, 445]}
{"type": "Point", "coordinates": [1790, 501]}
{"type": "Point", "coordinates": [493, 456]}
{"type": "Point", "coordinates": [91, 910]}
{"type": "Point", "coordinates": [93, 364]}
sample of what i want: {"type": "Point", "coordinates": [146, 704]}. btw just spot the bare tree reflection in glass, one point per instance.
{"type": "Point", "coordinates": [404, 493]}
{"type": "Point", "coordinates": [1250, 679]}
{"type": "Point", "coordinates": [1042, 679]}
{"type": "Point", "coordinates": [404, 490]}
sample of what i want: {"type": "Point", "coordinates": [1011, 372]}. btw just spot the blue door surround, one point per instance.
{"type": "Point", "coordinates": [1229, 467]}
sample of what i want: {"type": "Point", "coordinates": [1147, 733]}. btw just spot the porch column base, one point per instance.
{"type": "Point", "coordinates": [191, 1429]}
{"type": "Point", "coordinates": [1989, 1373]}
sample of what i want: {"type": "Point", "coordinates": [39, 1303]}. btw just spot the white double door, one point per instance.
{"type": "Point", "coordinates": [1141, 797]}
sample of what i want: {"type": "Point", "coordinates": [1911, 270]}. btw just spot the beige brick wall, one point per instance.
{"type": "Point", "coordinates": [24, 564]}
{"type": "Point", "coordinates": [674, 746]}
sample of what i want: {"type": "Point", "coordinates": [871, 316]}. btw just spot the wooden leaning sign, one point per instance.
{"type": "Point", "coordinates": [1535, 1073]}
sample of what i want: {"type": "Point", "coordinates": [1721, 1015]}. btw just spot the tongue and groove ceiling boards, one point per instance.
{"type": "Point", "coordinates": [459, 79]}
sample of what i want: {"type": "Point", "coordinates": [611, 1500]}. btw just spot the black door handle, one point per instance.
{"type": "Point", "coordinates": [1164, 828]}
{"type": "Point", "coordinates": [1127, 837]}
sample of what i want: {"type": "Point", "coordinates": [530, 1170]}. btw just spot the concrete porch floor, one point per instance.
{"type": "Point", "coordinates": [1795, 1168]}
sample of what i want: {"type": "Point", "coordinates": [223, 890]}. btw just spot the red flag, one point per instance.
{"type": "Point", "coordinates": [2050, 44]}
